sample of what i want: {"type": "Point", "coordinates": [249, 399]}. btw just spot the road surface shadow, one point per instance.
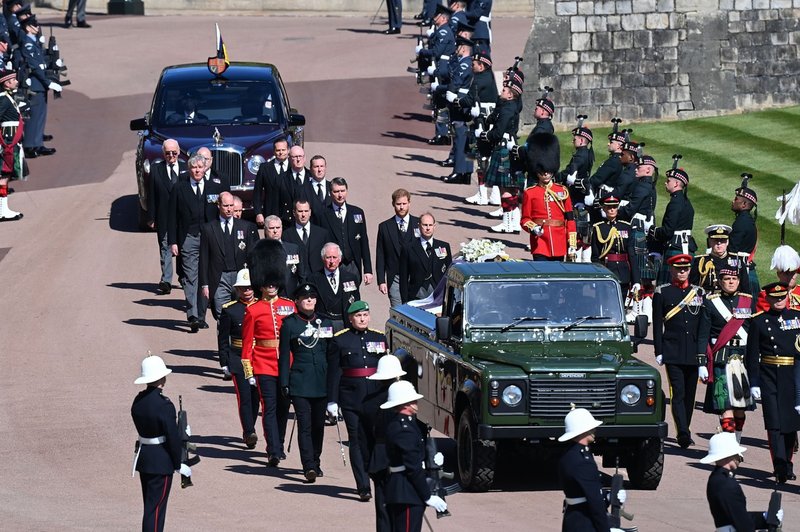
{"type": "Point", "coordinates": [177, 304]}
{"type": "Point", "coordinates": [301, 486]}
{"type": "Point", "coordinates": [204, 354]}
{"type": "Point", "coordinates": [416, 157]}
{"type": "Point", "coordinates": [445, 196]}
{"type": "Point", "coordinates": [144, 287]}
{"type": "Point", "coordinates": [418, 174]}
{"type": "Point", "coordinates": [123, 216]}
{"type": "Point", "coordinates": [361, 30]}
{"type": "Point", "coordinates": [404, 136]}
{"type": "Point", "coordinates": [419, 117]}
{"type": "Point", "coordinates": [216, 388]}
{"type": "Point", "coordinates": [201, 371]}
{"type": "Point", "coordinates": [173, 325]}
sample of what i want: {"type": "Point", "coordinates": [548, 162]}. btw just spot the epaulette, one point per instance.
{"type": "Point", "coordinates": [598, 223]}
{"type": "Point", "coordinates": [744, 294]}
{"type": "Point", "coordinates": [285, 299]}
{"type": "Point", "coordinates": [375, 330]}
{"type": "Point", "coordinates": [659, 287]}
{"type": "Point", "coordinates": [757, 314]}
{"type": "Point", "coordinates": [623, 222]}
{"type": "Point", "coordinates": [709, 297]}
{"type": "Point", "coordinates": [229, 303]}
{"type": "Point", "coordinates": [340, 332]}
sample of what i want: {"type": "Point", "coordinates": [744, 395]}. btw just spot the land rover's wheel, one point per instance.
{"type": "Point", "coordinates": [477, 459]}
{"type": "Point", "coordinates": [647, 465]}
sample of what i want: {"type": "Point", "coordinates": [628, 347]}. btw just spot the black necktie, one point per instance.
{"type": "Point", "coordinates": [171, 173]}
{"type": "Point", "coordinates": [319, 192]}
{"type": "Point", "coordinates": [229, 227]}
{"type": "Point", "coordinates": [297, 179]}
{"type": "Point", "coordinates": [428, 248]}
{"type": "Point", "coordinates": [197, 191]}
{"type": "Point", "coordinates": [401, 225]}
{"type": "Point", "coordinates": [305, 235]}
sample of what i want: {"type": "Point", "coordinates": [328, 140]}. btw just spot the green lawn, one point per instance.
{"type": "Point", "coordinates": [715, 152]}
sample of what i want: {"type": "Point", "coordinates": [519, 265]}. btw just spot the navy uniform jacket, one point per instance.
{"type": "Point", "coordinates": [442, 44]}
{"type": "Point", "coordinates": [712, 322]}
{"type": "Point", "coordinates": [8, 111]}
{"type": "Point", "coordinates": [705, 268]}
{"type": "Point", "coordinates": [356, 350]}
{"type": "Point", "coordinates": [158, 194]}
{"type": "Point", "coordinates": [743, 236]}
{"type": "Point", "coordinates": [773, 333]}
{"type": "Point", "coordinates": [505, 119]}
{"type": "Point", "coordinates": [310, 350]}
{"type": "Point", "coordinates": [36, 62]}
{"type": "Point", "coordinates": [390, 242]}
{"type": "Point", "coordinates": [641, 199]}
{"type": "Point", "coordinates": [678, 216]}
{"type": "Point", "coordinates": [351, 235]}
{"type": "Point", "coordinates": [482, 90]}
{"type": "Point", "coordinates": [154, 415]}
{"type": "Point", "coordinates": [676, 339]}
{"type": "Point", "coordinates": [607, 174]}
{"type": "Point", "coordinates": [405, 446]}
{"type": "Point", "coordinates": [229, 332]}
{"type": "Point", "coordinates": [460, 82]}
{"type": "Point", "coordinates": [579, 477]}
{"type": "Point", "coordinates": [728, 504]}
{"type": "Point", "coordinates": [333, 305]}
{"type": "Point", "coordinates": [627, 181]}
{"type": "Point", "coordinates": [476, 10]}
{"type": "Point", "coordinates": [417, 269]}
{"type": "Point", "coordinates": [187, 213]}
{"type": "Point", "coordinates": [622, 244]}
{"type": "Point", "coordinates": [581, 162]}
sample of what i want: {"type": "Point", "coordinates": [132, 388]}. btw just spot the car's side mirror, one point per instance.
{"type": "Point", "coordinates": [443, 328]}
{"type": "Point", "coordinates": [138, 124]}
{"type": "Point", "coordinates": [296, 120]}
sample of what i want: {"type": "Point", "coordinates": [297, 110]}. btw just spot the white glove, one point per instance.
{"type": "Point", "coordinates": [22, 104]}
{"type": "Point", "coordinates": [226, 371]}
{"type": "Point", "coordinates": [622, 495]}
{"type": "Point", "coordinates": [475, 111]}
{"type": "Point", "coordinates": [537, 230]}
{"type": "Point", "coordinates": [434, 84]}
{"type": "Point", "coordinates": [636, 288]}
{"type": "Point", "coordinates": [189, 430]}
{"type": "Point", "coordinates": [510, 144]}
{"type": "Point", "coordinates": [450, 96]}
{"type": "Point", "coordinates": [429, 32]}
{"type": "Point", "coordinates": [755, 391]}
{"type": "Point", "coordinates": [28, 82]}
{"type": "Point", "coordinates": [333, 409]}
{"type": "Point", "coordinates": [603, 214]}
{"type": "Point", "coordinates": [589, 199]}
{"type": "Point", "coordinates": [437, 503]}
{"type": "Point", "coordinates": [797, 409]}
{"type": "Point", "coordinates": [778, 514]}
{"type": "Point", "coordinates": [702, 372]}
{"type": "Point", "coordinates": [572, 177]}
{"type": "Point", "coordinates": [613, 529]}
{"type": "Point", "coordinates": [660, 360]}
{"type": "Point", "coordinates": [571, 251]}
{"type": "Point", "coordinates": [252, 381]}
{"type": "Point", "coordinates": [624, 202]}
{"type": "Point", "coordinates": [185, 470]}
{"type": "Point", "coordinates": [431, 70]}
{"type": "Point", "coordinates": [54, 86]}
{"type": "Point", "coordinates": [418, 48]}
{"type": "Point", "coordinates": [648, 224]}
{"type": "Point", "coordinates": [478, 131]}
{"type": "Point", "coordinates": [438, 459]}
{"type": "Point", "coordinates": [59, 62]}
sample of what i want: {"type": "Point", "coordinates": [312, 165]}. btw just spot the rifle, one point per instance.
{"type": "Point", "coordinates": [55, 67]}
{"type": "Point", "coordinates": [773, 523]}
{"type": "Point", "coordinates": [433, 469]}
{"type": "Point", "coordinates": [617, 508]}
{"type": "Point", "coordinates": [186, 447]}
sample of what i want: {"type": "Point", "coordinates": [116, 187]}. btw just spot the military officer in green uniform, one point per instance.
{"type": "Point", "coordinates": [305, 352]}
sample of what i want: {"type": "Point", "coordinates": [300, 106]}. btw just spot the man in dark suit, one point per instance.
{"type": "Point", "coordinates": [224, 245]}
{"type": "Point", "coordinates": [393, 234]}
{"type": "Point", "coordinates": [318, 190]}
{"type": "Point", "coordinates": [211, 173]}
{"type": "Point", "coordinates": [423, 262]}
{"type": "Point", "coordinates": [163, 177]}
{"type": "Point", "coordinates": [186, 112]}
{"type": "Point", "coordinates": [308, 236]}
{"type": "Point", "coordinates": [347, 225]}
{"type": "Point", "coordinates": [191, 204]}
{"type": "Point", "coordinates": [337, 287]}
{"type": "Point", "coordinates": [296, 261]}
{"type": "Point", "coordinates": [269, 191]}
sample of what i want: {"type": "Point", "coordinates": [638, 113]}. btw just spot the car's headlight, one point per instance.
{"type": "Point", "coordinates": [146, 166]}
{"type": "Point", "coordinates": [254, 163]}
{"type": "Point", "coordinates": [630, 394]}
{"type": "Point", "coordinates": [512, 395]}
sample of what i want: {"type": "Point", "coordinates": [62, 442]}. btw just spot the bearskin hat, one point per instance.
{"type": "Point", "coordinates": [267, 264]}
{"type": "Point", "coordinates": [544, 154]}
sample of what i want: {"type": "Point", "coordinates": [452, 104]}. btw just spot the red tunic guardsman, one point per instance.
{"type": "Point", "coordinates": [546, 207]}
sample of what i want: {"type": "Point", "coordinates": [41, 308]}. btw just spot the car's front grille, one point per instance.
{"type": "Point", "coordinates": [553, 398]}
{"type": "Point", "coordinates": [228, 165]}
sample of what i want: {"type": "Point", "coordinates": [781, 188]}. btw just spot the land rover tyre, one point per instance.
{"type": "Point", "coordinates": [647, 464]}
{"type": "Point", "coordinates": [477, 459]}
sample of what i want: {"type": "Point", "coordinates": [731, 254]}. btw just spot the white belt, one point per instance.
{"type": "Point", "coordinates": [486, 19]}
{"type": "Point", "coordinates": [685, 232]}
{"type": "Point", "coordinates": [639, 216]}
{"type": "Point", "coordinates": [13, 123]}
{"type": "Point", "coordinates": [444, 57]}
{"type": "Point", "coordinates": [726, 528]}
{"type": "Point", "coordinates": [572, 501]}
{"type": "Point", "coordinates": [158, 440]}
{"type": "Point", "coordinates": [397, 469]}
{"type": "Point", "coordinates": [463, 91]}
{"type": "Point", "coordinates": [487, 106]}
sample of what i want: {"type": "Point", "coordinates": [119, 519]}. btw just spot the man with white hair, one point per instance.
{"type": "Point", "coordinates": [338, 288]}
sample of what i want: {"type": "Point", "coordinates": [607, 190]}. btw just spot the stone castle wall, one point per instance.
{"type": "Point", "coordinates": [653, 59]}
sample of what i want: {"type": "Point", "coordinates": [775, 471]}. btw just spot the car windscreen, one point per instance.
{"type": "Point", "coordinates": [556, 302]}
{"type": "Point", "coordinates": [204, 102]}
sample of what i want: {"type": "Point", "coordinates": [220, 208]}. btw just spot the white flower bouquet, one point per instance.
{"type": "Point", "coordinates": [483, 250]}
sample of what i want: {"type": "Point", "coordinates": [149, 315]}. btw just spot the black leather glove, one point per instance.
{"type": "Point", "coordinates": [285, 392]}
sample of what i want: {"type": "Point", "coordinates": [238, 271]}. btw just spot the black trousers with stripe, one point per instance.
{"type": "Point", "coordinates": [406, 517]}
{"type": "Point", "coordinates": [155, 492]}
{"type": "Point", "coordinates": [683, 385]}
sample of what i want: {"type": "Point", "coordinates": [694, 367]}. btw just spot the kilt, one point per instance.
{"type": "Point", "coordinates": [717, 399]}
{"type": "Point", "coordinates": [664, 276]}
{"type": "Point", "coordinates": [752, 279]}
{"type": "Point", "coordinates": [499, 172]}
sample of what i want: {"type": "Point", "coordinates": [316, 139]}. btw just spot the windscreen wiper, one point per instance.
{"type": "Point", "coordinates": [519, 320]}
{"type": "Point", "coordinates": [583, 319]}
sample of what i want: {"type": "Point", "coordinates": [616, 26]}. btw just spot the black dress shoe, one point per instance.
{"type": "Point", "coordinates": [203, 324]}
{"type": "Point", "coordinates": [274, 460]}
{"type": "Point", "coordinates": [418, 16]}
{"type": "Point", "coordinates": [83, 24]}
{"type": "Point", "coordinates": [67, 22]}
{"type": "Point", "coordinates": [790, 476]}
{"type": "Point", "coordinates": [47, 138]}
{"type": "Point", "coordinates": [424, 22]}
{"type": "Point", "coordinates": [164, 287]}
{"type": "Point", "coordinates": [364, 495]}
{"type": "Point", "coordinates": [194, 325]}
{"type": "Point", "coordinates": [251, 440]}
{"type": "Point", "coordinates": [311, 476]}
{"type": "Point", "coordinates": [457, 179]}
{"type": "Point", "coordinates": [44, 150]}
{"type": "Point", "coordinates": [685, 440]}
{"type": "Point", "coordinates": [282, 455]}
{"type": "Point", "coordinates": [392, 31]}
{"type": "Point", "coordinates": [31, 153]}
{"type": "Point", "coordinates": [320, 474]}
{"type": "Point", "coordinates": [446, 162]}
{"type": "Point", "coordinates": [439, 140]}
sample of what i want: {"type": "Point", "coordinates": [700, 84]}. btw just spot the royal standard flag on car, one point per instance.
{"type": "Point", "coordinates": [219, 64]}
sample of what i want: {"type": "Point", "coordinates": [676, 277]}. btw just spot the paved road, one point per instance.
{"type": "Point", "coordinates": [81, 309]}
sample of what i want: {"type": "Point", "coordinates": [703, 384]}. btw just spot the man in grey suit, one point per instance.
{"type": "Point", "coordinates": [163, 176]}
{"type": "Point", "coordinates": [394, 234]}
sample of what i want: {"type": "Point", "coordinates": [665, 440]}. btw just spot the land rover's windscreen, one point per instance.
{"type": "Point", "coordinates": [217, 103]}
{"type": "Point", "coordinates": [573, 303]}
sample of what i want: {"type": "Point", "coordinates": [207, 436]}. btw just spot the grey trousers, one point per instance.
{"type": "Point", "coordinates": [225, 293]}
{"type": "Point", "coordinates": [190, 258]}
{"type": "Point", "coordinates": [166, 260]}
{"type": "Point", "coordinates": [81, 5]}
{"type": "Point", "coordinates": [394, 292]}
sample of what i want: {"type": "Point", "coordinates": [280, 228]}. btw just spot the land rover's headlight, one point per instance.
{"type": "Point", "coordinates": [146, 166]}
{"type": "Point", "coordinates": [512, 395]}
{"type": "Point", "coordinates": [254, 163]}
{"type": "Point", "coordinates": [630, 394]}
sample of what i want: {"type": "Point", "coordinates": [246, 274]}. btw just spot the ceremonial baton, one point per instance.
{"type": "Point", "coordinates": [291, 434]}
{"type": "Point", "coordinates": [341, 445]}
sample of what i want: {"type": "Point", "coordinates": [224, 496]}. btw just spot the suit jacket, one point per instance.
{"type": "Point", "coordinates": [296, 268]}
{"type": "Point", "coordinates": [333, 305]}
{"type": "Point", "coordinates": [390, 242]}
{"type": "Point", "coordinates": [215, 247]}
{"type": "Point", "coordinates": [417, 269]}
{"type": "Point", "coordinates": [154, 415]}
{"type": "Point", "coordinates": [263, 191]}
{"type": "Point", "coordinates": [351, 235]}
{"type": "Point", "coordinates": [317, 237]}
{"type": "Point", "coordinates": [187, 213]}
{"type": "Point", "coordinates": [318, 207]}
{"type": "Point", "coordinates": [158, 194]}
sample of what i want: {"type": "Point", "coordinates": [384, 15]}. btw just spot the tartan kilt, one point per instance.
{"type": "Point", "coordinates": [499, 171]}
{"type": "Point", "coordinates": [664, 276]}
{"type": "Point", "coordinates": [752, 278]}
